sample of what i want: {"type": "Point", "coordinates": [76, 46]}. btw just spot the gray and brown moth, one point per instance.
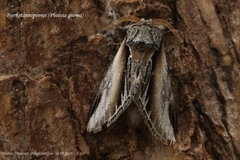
{"type": "Point", "coordinates": [139, 76]}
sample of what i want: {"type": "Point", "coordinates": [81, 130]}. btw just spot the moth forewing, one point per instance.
{"type": "Point", "coordinates": [109, 92]}
{"type": "Point", "coordinates": [161, 98]}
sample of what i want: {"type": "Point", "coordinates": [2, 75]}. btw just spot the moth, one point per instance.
{"type": "Point", "coordinates": [139, 76]}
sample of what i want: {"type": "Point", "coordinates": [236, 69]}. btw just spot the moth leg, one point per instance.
{"type": "Point", "coordinates": [147, 119]}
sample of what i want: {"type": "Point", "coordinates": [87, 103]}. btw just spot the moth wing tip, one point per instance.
{"type": "Point", "coordinates": [94, 130]}
{"type": "Point", "coordinates": [171, 141]}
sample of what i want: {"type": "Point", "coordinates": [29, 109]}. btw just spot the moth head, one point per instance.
{"type": "Point", "coordinates": [160, 23]}
{"type": "Point", "coordinates": [143, 39]}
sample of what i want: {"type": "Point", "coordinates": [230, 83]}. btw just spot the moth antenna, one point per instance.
{"type": "Point", "coordinates": [169, 26]}
{"type": "Point", "coordinates": [128, 18]}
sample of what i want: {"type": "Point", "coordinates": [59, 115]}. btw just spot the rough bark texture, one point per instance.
{"type": "Point", "coordinates": [50, 69]}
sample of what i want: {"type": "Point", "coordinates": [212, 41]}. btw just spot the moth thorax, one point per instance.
{"type": "Point", "coordinates": [146, 33]}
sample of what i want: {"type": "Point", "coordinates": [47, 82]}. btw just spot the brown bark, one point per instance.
{"type": "Point", "coordinates": [50, 69]}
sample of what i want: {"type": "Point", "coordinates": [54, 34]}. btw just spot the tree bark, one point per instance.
{"type": "Point", "coordinates": [52, 66]}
